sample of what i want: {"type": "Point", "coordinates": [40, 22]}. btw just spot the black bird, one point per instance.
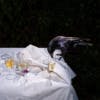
{"type": "Point", "coordinates": [67, 44]}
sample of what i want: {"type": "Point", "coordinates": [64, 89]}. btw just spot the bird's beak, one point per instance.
{"type": "Point", "coordinates": [83, 41]}
{"type": "Point", "coordinates": [72, 38]}
{"type": "Point", "coordinates": [87, 41]}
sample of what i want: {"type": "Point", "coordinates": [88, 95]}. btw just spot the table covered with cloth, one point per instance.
{"type": "Point", "coordinates": [31, 74]}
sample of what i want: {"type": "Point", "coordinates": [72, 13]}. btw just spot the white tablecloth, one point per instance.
{"type": "Point", "coordinates": [29, 87]}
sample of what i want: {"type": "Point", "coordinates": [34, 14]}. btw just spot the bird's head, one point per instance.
{"type": "Point", "coordinates": [67, 44]}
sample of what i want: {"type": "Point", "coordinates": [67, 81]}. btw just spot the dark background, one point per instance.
{"type": "Point", "coordinates": [24, 22]}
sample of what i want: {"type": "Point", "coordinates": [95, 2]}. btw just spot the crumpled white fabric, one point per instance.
{"type": "Point", "coordinates": [37, 84]}
{"type": "Point", "coordinates": [42, 58]}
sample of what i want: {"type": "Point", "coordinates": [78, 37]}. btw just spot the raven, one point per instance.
{"type": "Point", "coordinates": [65, 45]}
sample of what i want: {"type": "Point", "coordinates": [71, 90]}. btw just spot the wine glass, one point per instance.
{"type": "Point", "coordinates": [21, 64]}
